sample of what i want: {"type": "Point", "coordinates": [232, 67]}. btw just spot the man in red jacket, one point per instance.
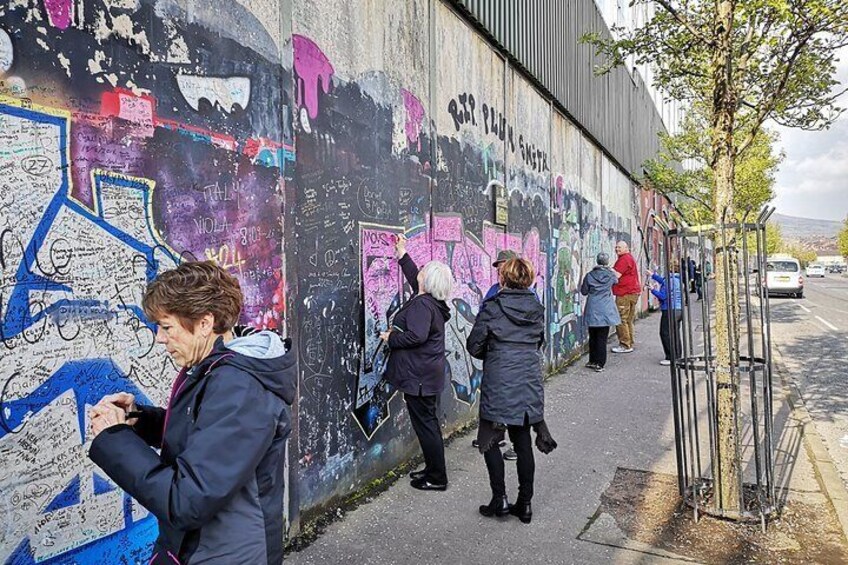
{"type": "Point", "coordinates": [627, 292]}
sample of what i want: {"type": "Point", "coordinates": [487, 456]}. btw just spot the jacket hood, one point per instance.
{"type": "Point", "coordinates": [601, 275]}
{"type": "Point", "coordinates": [262, 355]}
{"type": "Point", "coordinates": [521, 306]}
{"type": "Point", "coordinates": [442, 306]}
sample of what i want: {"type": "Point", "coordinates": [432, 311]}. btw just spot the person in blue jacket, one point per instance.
{"type": "Point", "coordinates": [670, 295]}
{"type": "Point", "coordinates": [216, 485]}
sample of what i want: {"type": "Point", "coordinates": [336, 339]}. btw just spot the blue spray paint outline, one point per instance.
{"type": "Point", "coordinates": [27, 281]}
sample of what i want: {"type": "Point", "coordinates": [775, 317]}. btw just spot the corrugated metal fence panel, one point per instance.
{"type": "Point", "coordinates": [542, 37]}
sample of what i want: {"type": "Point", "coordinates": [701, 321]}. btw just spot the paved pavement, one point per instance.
{"type": "Point", "coordinates": [620, 418]}
{"type": "Point", "coordinates": [812, 336]}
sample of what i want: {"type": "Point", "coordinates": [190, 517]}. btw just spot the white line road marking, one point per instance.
{"type": "Point", "coordinates": [804, 308]}
{"type": "Point", "coordinates": [828, 324]}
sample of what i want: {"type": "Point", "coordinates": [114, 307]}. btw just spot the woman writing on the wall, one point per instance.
{"type": "Point", "coordinates": [416, 365]}
{"type": "Point", "coordinates": [217, 485]}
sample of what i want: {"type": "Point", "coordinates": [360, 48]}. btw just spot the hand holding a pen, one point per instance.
{"type": "Point", "coordinates": [400, 246]}
{"type": "Point", "coordinates": [105, 416]}
{"type": "Point", "coordinates": [385, 335]}
{"type": "Point", "coordinates": [113, 409]}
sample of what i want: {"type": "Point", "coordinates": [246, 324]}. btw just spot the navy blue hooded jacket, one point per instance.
{"type": "Point", "coordinates": [217, 487]}
{"type": "Point", "coordinates": [507, 335]}
{"type": "Point", "coordinates": [416, 365]}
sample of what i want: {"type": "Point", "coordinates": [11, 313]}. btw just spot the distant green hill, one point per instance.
{"type": "Point", "coordinates": [794, 228]}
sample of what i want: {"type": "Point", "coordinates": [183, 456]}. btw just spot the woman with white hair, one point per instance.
{"type": "Point", "coordinates": [416, 365]}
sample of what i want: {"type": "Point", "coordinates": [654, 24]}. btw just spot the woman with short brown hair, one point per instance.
{"type": "Point", "coordinates": [217, 484]}
{"type": "Point", "coordinates": [507, 336]}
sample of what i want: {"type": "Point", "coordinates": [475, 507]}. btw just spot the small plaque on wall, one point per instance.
{"type": "Point", "coordinates": [501, 204]}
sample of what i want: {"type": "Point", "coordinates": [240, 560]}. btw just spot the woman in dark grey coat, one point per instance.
{"type": "Point", "coordinates": [507, 336]}
{"type": "Point", "coordinates": [600, 312]}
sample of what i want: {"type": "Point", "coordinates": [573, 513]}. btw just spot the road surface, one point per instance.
{"type": "Point", "coordinates": [812, 335]}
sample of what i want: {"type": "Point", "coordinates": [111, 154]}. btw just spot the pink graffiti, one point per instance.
{"type": "Point", "coordinates": [59, 12]}
{"type": "Point", "coordinates": [470, 259]}
{"type": "Point", "coordinates": [447, 227]}
{"type": "Point", "coordinates": [414, 116]}
{"type": "Point", "coordinates": [314, 71]}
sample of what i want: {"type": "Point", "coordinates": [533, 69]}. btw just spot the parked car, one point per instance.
{"type": "Point", "coordinates": [815, 270]}
{"type": "Point", "coordinates": [783, 277]}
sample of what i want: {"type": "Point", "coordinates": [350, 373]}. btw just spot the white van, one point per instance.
{"type": "Point", "coordinates": [783, 277]}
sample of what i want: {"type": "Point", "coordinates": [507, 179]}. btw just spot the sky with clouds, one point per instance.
{"type": "Point", "coordinates": [813, 179]}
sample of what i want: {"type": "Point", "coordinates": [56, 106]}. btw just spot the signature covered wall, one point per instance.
{"type": "Point", "coordinates": [138, 133]}
{"type": "Point", "coordinates": [133, 134]}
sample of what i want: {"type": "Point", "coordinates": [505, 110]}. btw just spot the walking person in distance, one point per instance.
{"type": "Point", "coordinates": [670, 294]}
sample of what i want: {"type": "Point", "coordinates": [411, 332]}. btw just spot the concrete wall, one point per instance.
{"type": "Point", "coordinates": [136, 133]}
{"type": "Point", "coordinates": [133, 134]}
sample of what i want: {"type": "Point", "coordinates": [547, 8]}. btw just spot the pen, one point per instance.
{"type": "Point", "coordinates": [134, 415]}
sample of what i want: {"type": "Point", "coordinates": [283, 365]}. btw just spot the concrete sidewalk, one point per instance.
{"type": "Point", "coordinates": [604, 422]}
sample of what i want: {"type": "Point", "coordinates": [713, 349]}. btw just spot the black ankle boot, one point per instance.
{"type": "Point", "coordinates": [522, 510]}
{"type": "Point", "coordinates": [499, 506]}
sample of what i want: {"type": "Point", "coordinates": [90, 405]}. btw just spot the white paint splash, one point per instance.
{"type": "Point", "coordinates": [136, 89]}
{"type": "Point", "coordinates": [178, 51]}
{"type": "Point", "coordinates": [16, 86]}
{"type": "Point", "coordinates": [66, 63]}
{"type": "Point", "coordinates": [122, 27]}
{"type": "Point", "coordinates": [7, 52]}
{"type": "Point", "coordinates": [223, 92]}
{"type": "Point", "coordinates": [131, 5]}
{"type": "Point", "coordinates": [95, 65]}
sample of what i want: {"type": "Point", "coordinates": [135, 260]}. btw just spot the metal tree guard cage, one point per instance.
{"type": "Point", "coordinates": [693, 372]}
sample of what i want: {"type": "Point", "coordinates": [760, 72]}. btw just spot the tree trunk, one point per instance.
{"type": "Point", "coordinates": [726, 303]}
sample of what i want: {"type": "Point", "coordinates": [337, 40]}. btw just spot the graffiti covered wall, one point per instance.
{"type": "Point", "coordinates": [138, 133]}
{"type": "Point", "coordinates": [134, 134]}
{"type": "Point", "coordinates": [408, 140]}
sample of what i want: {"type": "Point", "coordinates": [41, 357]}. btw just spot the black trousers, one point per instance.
{"type": "Point", "coordinates": [598, 337]}
{"type": "Point", "coordinates": [665, 334]}
{"type": "Point", "coordinates": [425, 422]}
{"type": "Point", "coordinates": [523, 446]}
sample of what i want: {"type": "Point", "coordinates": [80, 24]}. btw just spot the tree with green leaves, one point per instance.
{"type": "Point", "coordinates": [796, 250]}
{"type": "Point", "coordinates": [842, 239]}
{"type": "Point", "coordinates": [774, 238]}
{"type": "Point", "coordinates": [692, 187]}
{"type": "Point", "coordinates": [743, 63]}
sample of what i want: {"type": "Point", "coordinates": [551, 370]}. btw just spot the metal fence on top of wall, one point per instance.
{"type": "Point", "coordinates": [541, 37]}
